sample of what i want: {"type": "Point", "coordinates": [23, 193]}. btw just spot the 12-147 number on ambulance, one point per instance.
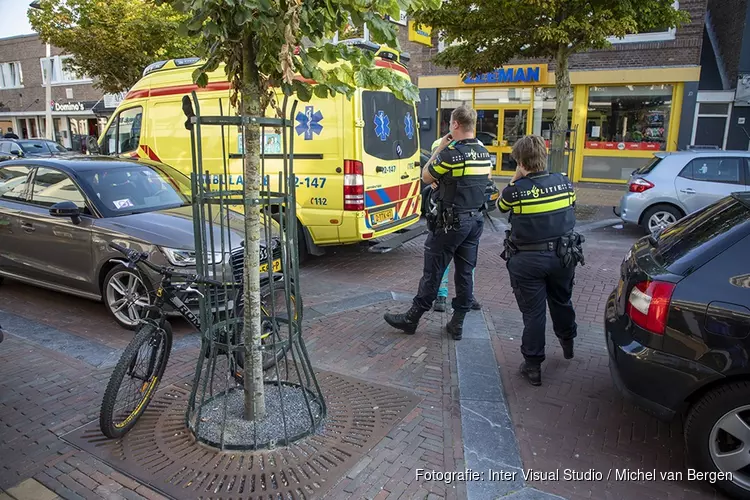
{"type": "Point", "coordinates": [310, 182]}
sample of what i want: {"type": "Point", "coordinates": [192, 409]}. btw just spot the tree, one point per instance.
{"type": "Point", "coordinates": [482, 35]}
{"type": "Point", "coordinates": [260, 43]}
{"type": "Point", "coordinates": [112, 41]}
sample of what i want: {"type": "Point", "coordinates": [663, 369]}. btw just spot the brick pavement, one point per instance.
{"type": "Point", "coordinates": [576, 419]}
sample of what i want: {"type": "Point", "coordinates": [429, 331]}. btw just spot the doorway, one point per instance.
{"type": "Point", "coordinates": [499, 129]}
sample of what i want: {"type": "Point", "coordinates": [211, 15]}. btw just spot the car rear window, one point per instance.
{"type": "Point", "coordinates": [390, 126]}
{"type": "Point", "coordinates": [649, 166]}
{"type": "Point", "coordinates": [695, 239]}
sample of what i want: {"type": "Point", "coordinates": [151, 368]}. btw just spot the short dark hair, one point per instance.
{"type": "Point", "coordinates": [531, 153]}
{"type": "Point", "coordinates": [466, 117]}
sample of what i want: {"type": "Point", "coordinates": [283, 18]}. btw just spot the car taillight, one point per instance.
{"type": "Point", "coordinates": [648, 305]}
{"type": "Point", "coordinates": [354, 185]}
{"type": "Point", "coordinates": [640, 185]}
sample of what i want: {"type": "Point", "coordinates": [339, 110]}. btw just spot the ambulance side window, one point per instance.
{"type": "Point", "coordinates": [124, 135]}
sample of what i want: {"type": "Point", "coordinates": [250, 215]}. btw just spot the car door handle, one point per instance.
{"type": "Point", "coordinates": [405, 176]}
{"type": "Point", "coordinates": [29, 228]}
{"type": "Point", "coordinates": [688, 191]}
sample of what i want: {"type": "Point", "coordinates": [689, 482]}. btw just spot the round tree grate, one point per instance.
{"type": "Point", "coordinates": [161, 452]}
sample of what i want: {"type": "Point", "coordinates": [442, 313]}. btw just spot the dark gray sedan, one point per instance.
{"type": "Point", "coordinates": [57, 217]}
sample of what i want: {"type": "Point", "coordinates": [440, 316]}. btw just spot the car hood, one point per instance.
{"type": "Point", "coordinates": [173, 228]}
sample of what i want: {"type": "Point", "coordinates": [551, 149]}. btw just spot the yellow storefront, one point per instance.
{"type": "Point", "coordinates": [618, 118]}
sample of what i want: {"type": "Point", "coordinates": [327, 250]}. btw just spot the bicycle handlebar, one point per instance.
{"type": "Point", "coordinates": [135, 257]}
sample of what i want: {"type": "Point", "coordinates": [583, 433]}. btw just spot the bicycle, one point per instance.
{"type": "Point", "coordinates": [145, 369]}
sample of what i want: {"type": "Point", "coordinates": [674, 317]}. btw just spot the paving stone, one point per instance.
{"type": "Point", "coordinates": [31, 489]}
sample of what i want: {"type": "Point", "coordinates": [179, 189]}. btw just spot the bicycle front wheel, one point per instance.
{"type": "Point", "coordinates": [134, 380]}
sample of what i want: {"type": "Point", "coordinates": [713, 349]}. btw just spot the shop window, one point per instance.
{"type": "Point", "coordinates": [629, 118]}
{"type": "Point", "coordinates": [10, 75]}
{"type": "Point", "coordinates": [511, 95]}
{"type": "Point", "coordinates": [450, 100]}
{"type": "Point", "coordinates": [61, 71]}
{"type": "Point", "coordinates": [544, 112]}
{"type": "Point", "coordinates": [124, 133]}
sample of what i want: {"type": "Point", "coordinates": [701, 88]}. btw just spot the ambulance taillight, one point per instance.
{"type": "Point", "coordinates": [354, 185]}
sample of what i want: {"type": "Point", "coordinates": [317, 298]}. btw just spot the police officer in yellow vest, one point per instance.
{"type": "Point", "coordinates": [541, 251]}
{"type": "Point", "coordinates": [442, 297]}
{"type": "Point", "coordinates": [459, 167]}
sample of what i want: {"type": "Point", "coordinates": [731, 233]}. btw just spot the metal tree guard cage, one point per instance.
{"type": "Point", "coordinates": [294, 403]}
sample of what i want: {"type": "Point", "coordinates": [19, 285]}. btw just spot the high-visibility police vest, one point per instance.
{"type": "Point", "coordinates": [462, 170]}
{"type": "Point", "coordinates": [542, 207]}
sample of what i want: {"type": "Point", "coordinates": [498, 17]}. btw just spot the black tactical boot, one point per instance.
{"type": "Point", "coordinates": [532, 373]}
{"type": "Point", "coordinates": [440, 304]}
{"type": "Point", "coordinates": [456, 325]}
{"type": "Point", "coordinates": [407, 322]}
{"type": "Point", "coordinates": [475, 306]}
{"type": "Point", "coordinates": [567, 346]}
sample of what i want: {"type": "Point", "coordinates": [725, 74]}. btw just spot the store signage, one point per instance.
{"type": "Point", "coordinates": [624, 146]}
{"type": "Point", "coordinates": [68, 106]}
{"type": "Point", "coordinates": [401, 20]}
{"type": "Point", "coordinates": [536, 73]}
{"type": "Point", "coordinates": [420, 34]}
{"type": "Point", "coordinates": [113, 100]}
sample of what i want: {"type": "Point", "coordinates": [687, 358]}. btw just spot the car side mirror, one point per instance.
{"type": "Point", "coordinates": [16, 152]}
{"type": "Point", "coordinates": [66, 209]}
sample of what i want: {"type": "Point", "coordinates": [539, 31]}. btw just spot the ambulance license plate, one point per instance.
{"type": "Point", "coordinates": [382, 216]}
{"type": "Point", "coordinates": [276, 266]}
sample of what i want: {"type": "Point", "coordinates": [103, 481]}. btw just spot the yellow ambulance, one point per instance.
{"type": "Point", "coordinates": [356, 162]}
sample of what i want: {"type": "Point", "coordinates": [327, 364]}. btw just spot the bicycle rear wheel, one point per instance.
{"type": "Point", "coordinates": [135, 379]}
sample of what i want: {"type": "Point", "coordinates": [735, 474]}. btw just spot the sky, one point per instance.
{"type": "Point", "coordinates": [13, 20]}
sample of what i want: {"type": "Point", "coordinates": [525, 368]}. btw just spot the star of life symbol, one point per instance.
{"type": "Point", "coordinates": [382, 125]}
{"type": "Point", "coordinates": [309, 123]}
{"type": "Point", "coordinates": [409, 125]}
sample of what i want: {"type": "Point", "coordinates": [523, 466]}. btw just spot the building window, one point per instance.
{"type": "Point", "coordinates": [633, 117]}
{"type": "Point", "coordinates": [450, 100]}
{"type": "Point", "coordinates": [711, 125]}
{"type": "Point", "coordinates": [653, 35]}
{"type": "Point", "coordinates": [61, 72]}
{"type": "Point", "coordinates": [10, 75]}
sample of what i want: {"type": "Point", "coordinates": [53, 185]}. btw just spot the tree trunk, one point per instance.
{"type": "Point", "coordinates": [255, 403]}
{"type": "Point", "coordinates": [562, 99]}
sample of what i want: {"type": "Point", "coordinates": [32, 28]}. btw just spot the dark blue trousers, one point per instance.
{"type": "Point", "coordinates": [539, 279]}
{"type": "Point", "coordinates": [440, 248]}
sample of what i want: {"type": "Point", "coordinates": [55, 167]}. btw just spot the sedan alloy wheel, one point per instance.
{"type": "Point", "coordinates": [126, 297]}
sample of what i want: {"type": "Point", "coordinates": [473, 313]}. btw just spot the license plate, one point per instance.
{"type": "Point", "coordinates": [382, 216]}
{"type": "Point", "coordinates": [276, 266]}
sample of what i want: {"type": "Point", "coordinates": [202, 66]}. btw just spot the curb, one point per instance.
{"type": "Point", "coordinates": [488, 434]}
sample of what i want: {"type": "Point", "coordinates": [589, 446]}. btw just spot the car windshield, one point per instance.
{"type": "Point", "coordinates": [135, 188]}
{"type": "Point", "coordinates": [34, 147]}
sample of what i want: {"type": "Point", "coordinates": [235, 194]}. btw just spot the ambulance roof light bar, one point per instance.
{"type": "Point", "coordinates": [380, 51]}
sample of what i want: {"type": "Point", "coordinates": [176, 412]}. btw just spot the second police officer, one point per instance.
{"type": "Point", "coordinates": [541, 251]}
{"type": "Point", "coordinates": [460, 167]}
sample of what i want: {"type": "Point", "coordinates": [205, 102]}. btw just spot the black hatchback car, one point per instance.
{"type": "Point", "coordinates": [678, 328]}
{"type": "Point", "coordinates": [21, 148]}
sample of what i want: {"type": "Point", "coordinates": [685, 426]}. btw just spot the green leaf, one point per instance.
{"type": "Point", "coordinates": [303, 91]}
{"type": "Point", "coordinates": [320, 91]}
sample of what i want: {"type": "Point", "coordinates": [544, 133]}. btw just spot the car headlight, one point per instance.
{"type": "Point", "coordinates": [187, 257]}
